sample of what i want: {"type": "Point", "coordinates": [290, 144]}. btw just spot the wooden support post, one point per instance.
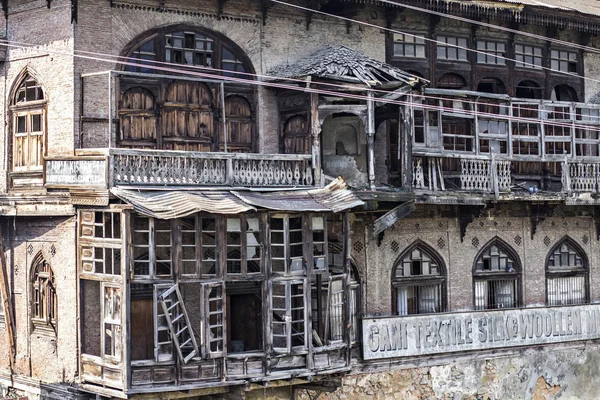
{"type": "Point", "coordinates": [347, 272]}
{"type": "Point", "coordinates": [8, 314]}
{"type": "Point", "coordinates": [315, 131]}
{"type": "Point", "coordinates": [223, 115]}
{"type": "Point", "coordinates": [371, 139]}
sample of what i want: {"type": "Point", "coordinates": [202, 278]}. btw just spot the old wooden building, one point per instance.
{"type": "Point", "coordinates": [285, 199]}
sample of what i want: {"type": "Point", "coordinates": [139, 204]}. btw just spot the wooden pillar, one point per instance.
{"type": "Point", "coordinates": [347, 271]}
{"type": "Point", "coordinates": [370, 129]}
{"type": "Point", "coordinates": [8, 313]}
{"type": "Point", "coordinates": [315, 131]}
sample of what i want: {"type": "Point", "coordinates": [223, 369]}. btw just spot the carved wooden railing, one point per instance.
{"type": "Point", "coordinates": [180, 168]}
{"type": "Point", "coordinates": [580, 177]}
{"type": "Point", "coordinates": [477, 175]}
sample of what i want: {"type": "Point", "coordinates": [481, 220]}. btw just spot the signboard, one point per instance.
{"type": "Point", "coordinates": [66, 173]}
{"type": "Point", "coordinates": [479, 330]}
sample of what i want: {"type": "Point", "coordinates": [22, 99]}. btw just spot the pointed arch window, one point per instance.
{"type": "Point", "coordinates": [28, 107]}
{"type": "Point", "coordinates": [566, 274]}
{"type": "Point", "coordinates": [43, 297]}
{"type": "Point", "coordinates": [496, 277]}
{"type": "Point", "coordinates": [419, 282]}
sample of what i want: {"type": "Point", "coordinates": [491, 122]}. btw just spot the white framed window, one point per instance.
{"type": "Point", "coordinates": [566, 274]}
{"type": "Point", "coordinates": [419, 282]}
{"type": "Point", "coordinates": [496, 277]}
{"type": "Point", "coordinates": [409, 46]}
{"type": "Point", "coordinates": [451, 48]}
{"type": "Point", "coordinates": [491, 52]}
{"type": "Point", "coordinates": [528, 56]}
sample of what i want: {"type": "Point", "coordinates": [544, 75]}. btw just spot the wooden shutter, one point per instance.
{"type": "Point", "coordinates": [187, 117]}
{"type": "Point", "coordinates": [239, 125]}
{"type": "Point", "coordinates": [296, 139]}
{"type": "Point", "coordinates": [138, 119]}
{"type": "Point", "coordinates": [214, 319]}
{"type": "Point", "coordinates": [334, 311]}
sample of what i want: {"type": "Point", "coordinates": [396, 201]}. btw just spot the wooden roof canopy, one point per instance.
{"type": "Point", "coordinates": [341, 63]}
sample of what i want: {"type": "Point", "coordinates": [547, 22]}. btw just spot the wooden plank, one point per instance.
{"type": "Point", "coordinates": [315, 131]}
{"type": "Point", "coordinates": [371, 139]}
{"type": "Point", "coordinates": [8, 313]}
{"type": "Point", "coordinates": [390, 218]}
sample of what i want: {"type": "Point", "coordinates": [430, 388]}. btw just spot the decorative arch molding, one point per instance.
{"type": "Point", "coordinates": [157, 35]}
{"type": "Point", "coordinates": [497, 276]}
{"type": "Point", "coordinates": [420, 288]}
{"type": "Point", "coordinates": [567, 274]}
{"type": "Point", "coordinates": [504, 246]}
{"type": "Point", "coordinates": [431, 252]}
{"type": "Point", "coordinates": [27, 71]}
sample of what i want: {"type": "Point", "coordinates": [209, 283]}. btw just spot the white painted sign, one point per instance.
{"type": "Point", "coordinates": [76, 172]}
{"type": "Point", "coordinates": [479, 330]}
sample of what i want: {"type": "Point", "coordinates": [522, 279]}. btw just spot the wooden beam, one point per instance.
{"type": "Point", "coordinates": [8, 314]}
{"type": "Point", "coordinates": [188, 394]}
{"type": "Point", "coordinates": [315, 130]}
{"type": "Point", "coordinates": [388, 219]}
{"type": "Point", "coordinates": [371, 139]}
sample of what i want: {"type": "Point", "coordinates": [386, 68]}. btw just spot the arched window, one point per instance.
{"type": "Point", "coordinates": [496, 277]}
{"type": "Point", "coordinates": [451, 81]}
{"type": "Point", "coordinates": [528, 89]}
{"type": "Point", "coordinates": [491, 85]}
{"type": "Point", "coordinates": [563, 93]}
{"type": "Point", "coordinates": [419, 281]}
{"type": "Point", "coordinates": [566, 274]}
{"type": "Point", "coordinates": [43, 296]}
{"type": "Point", "coordinates": [185, 114]}
{"type": "Point", "coordinates": [28, 108]}
{"type": "Point", "coordinates": [188, 47]}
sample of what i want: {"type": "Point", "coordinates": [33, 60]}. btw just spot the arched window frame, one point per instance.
{"type": "Point", "coordinates": [417, 281]}
{"type": "Point", "coordinates": [28, 107]}
{"type": "Point", "coordinates": [43, 297]}
{"type": "Point", "coordinates": [571, 279]}
{"type": "Point", "coordinates": [226, 58]}
{"type": "Point", "coordinates": [498, 279]}
{"type": "Point", "coordinates": [207, 49]}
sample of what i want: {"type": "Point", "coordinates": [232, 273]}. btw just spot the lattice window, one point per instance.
{"type": "Point", "coordinates": [457, 134]}
{"type": "Point", "coordinates": [491, 52]}
{"type": "Point", "coordinates": [527, 56]}
{"type": "Point", "coordinates": [566, 275]}
{"type": "Point", "coordinates": [100, 241]}
{"type": "Point", "coordinates": [451, 48]}
{"type": "Point", "coordinates": [288, 320]}
{"type": "Point", "coordinates": [409, 46]}
{"type": "Point", "coordinates": [243, 246]}
{"type": "Point", "coordinates": [43, 297]}
{"type": "Point", "coordinates": [496, 278]}
{"type": "Point", "coordinates": [287, 241]}
{"type": "Point", "coordinates": [111, 322]}
{"type": "Point", "coordinates": [199, 246]}
{"type": "Point", "coordinates": [419, 282]}
{"type": "Point", "coordinates": [563, 61]}
{"type": "Point", "coordinates": [29, 126]}
{"type": "Point", "coordinates": [152, 247]}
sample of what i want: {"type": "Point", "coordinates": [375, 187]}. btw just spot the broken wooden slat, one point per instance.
{"type": "Point", "coordinates": [390, 218]}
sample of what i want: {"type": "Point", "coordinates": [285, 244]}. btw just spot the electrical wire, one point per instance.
{"type": "Point", "coordinates": [469, 113]}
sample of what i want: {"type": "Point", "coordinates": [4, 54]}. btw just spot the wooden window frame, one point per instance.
{"type": "Point", "coordinates": [415, 41]}
{"type": "Point", "coordinates": [558, 62]}
{"type": "Point", "coordinates": [493, 56]}
{"type": "Point", "coordinates": [526, 57]}
{"type": "Point", "coordinates": [243, 246]}
{"type": "Point", "coordinates": [152, 247]}
{"type": "Point", "coordinates": [511, 273]}
{"type": "Point", "coordinates": [287, 321]}
{"type": "Point", "coordinates": [116, 324]}
{"type": "Point", "coordinates": [461, 52]}
{"type": "Point", "coordinates": [44, 304]}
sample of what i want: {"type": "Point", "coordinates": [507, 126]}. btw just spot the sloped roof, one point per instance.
{"type": "Point", "coordinates": [342, 63]}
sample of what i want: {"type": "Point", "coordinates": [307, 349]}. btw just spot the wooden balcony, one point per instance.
{"type": "Point", "coordinates": [106, 168]}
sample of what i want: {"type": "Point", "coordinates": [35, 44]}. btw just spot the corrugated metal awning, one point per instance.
{"type": "Point", "coordinates": [177, 204]}
{"type": "Point", "coordinates": [334, 197]}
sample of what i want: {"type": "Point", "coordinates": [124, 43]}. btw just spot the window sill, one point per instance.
{"type": "Point", "coordinates": [40, 328]}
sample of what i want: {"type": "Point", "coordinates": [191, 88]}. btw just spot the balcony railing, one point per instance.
{"type": "Point", "coordinates": [128, 167]}
{"type": "Point", "coordinates": [580, 177]}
